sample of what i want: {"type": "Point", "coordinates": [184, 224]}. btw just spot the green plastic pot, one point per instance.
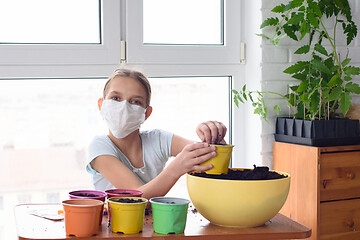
{"type": "Point", "coordinates": [169, 214]}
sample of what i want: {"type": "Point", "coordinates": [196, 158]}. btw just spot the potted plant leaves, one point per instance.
{"type": "Point", "coordinates": [318, 104]}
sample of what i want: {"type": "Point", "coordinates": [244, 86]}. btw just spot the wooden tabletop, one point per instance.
{"type": "Point", "coordinates": [31, 226]}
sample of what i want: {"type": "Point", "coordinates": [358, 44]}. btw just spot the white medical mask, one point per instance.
{"type": "Point", "coordinates": [122, 118]}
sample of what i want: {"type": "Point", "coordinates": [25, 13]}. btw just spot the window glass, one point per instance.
{"type": "Point", "coordinates": [181, 103]}
{"type": "Point", "coordinates": [55, 21]}
{"type": "Point", "coordinates": [49, 124]}
{"type": "Point", "coordinates": [183, 22]}
{"type": "Point", "coordinates": [44, 139]}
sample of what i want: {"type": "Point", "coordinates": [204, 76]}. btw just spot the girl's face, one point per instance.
{"type": "Point", "coordinates": [127, 88]}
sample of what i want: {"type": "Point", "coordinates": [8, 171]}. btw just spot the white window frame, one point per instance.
{"type": "Point", "coordinates": [99, 60]}
{"type": "Point", "coordinates": [139, 53]}
{"type": "Point", "coordinates": [107, 52]}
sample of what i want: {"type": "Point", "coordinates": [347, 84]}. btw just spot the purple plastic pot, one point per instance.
{"type": "Point", "coordinates": [89, 194]}
{"type": "Point", "coordinates": [123, 193]}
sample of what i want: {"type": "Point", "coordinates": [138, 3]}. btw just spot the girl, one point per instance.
{"type": "Point", "coordinates": [128, 158]}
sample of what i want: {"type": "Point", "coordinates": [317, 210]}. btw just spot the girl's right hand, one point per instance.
{"type": "Point", "coordinates": [192, 155]}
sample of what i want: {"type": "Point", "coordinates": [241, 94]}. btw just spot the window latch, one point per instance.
{"type": "Point", "coordinates": [122, 51]}
{"type": "Point", "coordinates": [242, 53]}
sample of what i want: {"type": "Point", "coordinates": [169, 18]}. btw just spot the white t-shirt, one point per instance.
{"type": "Point", "coordinates": [156, 145]}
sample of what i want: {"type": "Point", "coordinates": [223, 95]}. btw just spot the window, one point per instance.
{"type": "Point", "coordinates": [48, 126]}
{"type": "Point", "coordinates": [183, 22]}
{"type": "Point", "coordinates": [50, 86]}
{"type": "Point", "coordinates": [174, 100]}
{"type": "Point", "coordinates": [179, 109]}
{"type": "Point", "coordinates": [50, 123]}
{"type": "Point", "coordinates": [42, 21]}
{"type": "Point", "coordinates": [224, 28]}
{"type": "Point", "coordinates": [67, 49]}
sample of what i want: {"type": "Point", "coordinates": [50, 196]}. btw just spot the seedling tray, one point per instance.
{"type": "Point", "coordinates": [320, 133]}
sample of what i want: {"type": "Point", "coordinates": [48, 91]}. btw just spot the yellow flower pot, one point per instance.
{"type": "Point", "coordinates": [127, 218]}
{"type": "Point", "coordinates": [221, 161]}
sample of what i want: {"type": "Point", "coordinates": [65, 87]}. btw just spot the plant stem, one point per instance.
{"type": "Point", "coordinates": [332, 43]}
{"type": "Point", "coordinates": [275, 93]}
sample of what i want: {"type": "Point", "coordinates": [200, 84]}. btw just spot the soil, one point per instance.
{"type": "Point", "coordinates": [86, 195]}
{"type": "Point", "coordinates": [258, 173]}
{"type": "Point", "coordinates": [128, 200]}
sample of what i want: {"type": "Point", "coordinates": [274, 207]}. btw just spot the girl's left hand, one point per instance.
{"type": "Point", "coordinates": [211, 132]}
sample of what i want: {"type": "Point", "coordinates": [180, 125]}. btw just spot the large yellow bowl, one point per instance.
{"type": "Point", "coordinates": [238, 203]}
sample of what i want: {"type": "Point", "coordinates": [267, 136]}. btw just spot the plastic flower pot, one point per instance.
{"type": "Point", "coordinates": [127, 217]}
{"type": "Point", "coordinates": [82, 216]}
{"type": "Point", "coordinates": [221, 161]}
{"type": "Point", "coordinates": [89, 194]}
{"type": "Point", "coordinates": [123, 193]}
{"type": "Point", "coordinates": [169, 214]}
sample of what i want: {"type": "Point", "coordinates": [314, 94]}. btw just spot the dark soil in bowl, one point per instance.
{"type": "Point", "coordinates": [127, 200]}
{"type": "Point", "coordinates": [258, 173]}
{"type": "Point", "coordinates": [85, 195]}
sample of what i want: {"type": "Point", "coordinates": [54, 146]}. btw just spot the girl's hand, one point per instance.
{"type": "Point", "coordinates": [190, 158]}
{"type": "Point", "coordinates": [211, 132]}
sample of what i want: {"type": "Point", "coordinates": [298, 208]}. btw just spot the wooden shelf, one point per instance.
{"type": "Point", "coordinates": [324, 190]}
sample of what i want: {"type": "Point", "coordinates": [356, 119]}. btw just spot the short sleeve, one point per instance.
{"type": "Point", "coordinates": [100, 145]}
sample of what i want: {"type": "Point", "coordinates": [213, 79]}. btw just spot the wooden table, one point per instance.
{"type": "Point", "coordinates": [33, 227]}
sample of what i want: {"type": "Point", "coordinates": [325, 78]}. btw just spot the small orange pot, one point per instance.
{"type": "Point", "coordinates": [82, 216]}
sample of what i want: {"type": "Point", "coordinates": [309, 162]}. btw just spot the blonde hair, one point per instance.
{"type": "Point", "coordinates": [140, 77]}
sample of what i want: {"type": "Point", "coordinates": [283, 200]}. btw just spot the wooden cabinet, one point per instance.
{"type": "Point", "coordinates": [324, 190]}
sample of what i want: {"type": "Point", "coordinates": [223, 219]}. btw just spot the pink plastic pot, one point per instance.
{"type": "Point", "coordinates": [123, 193]}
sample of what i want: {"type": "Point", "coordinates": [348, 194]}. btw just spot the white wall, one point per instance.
{"type": "Point", "coordinates": [251, 135]}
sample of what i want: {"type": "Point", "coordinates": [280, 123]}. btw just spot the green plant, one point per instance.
{"type": "Point", "coordinates": [325, 84]}
{"type": "Point", "coordinates": [257, 100]}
